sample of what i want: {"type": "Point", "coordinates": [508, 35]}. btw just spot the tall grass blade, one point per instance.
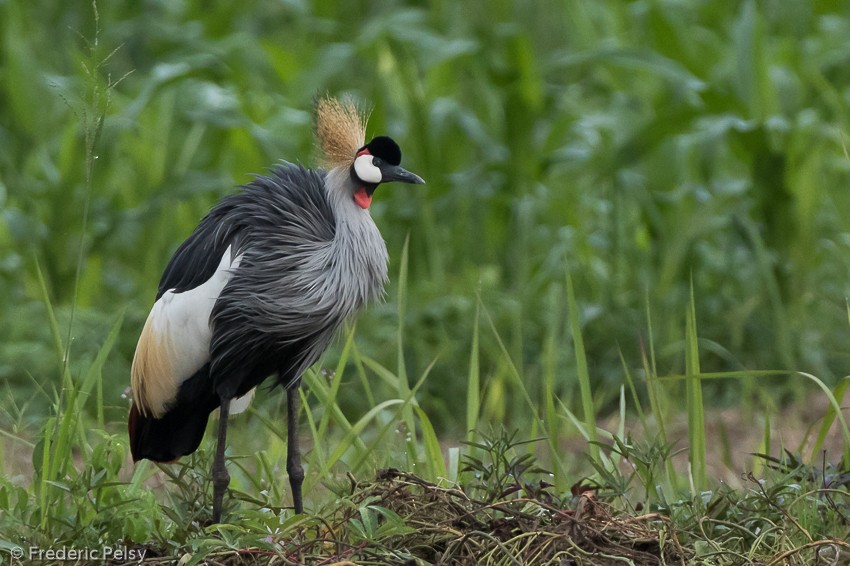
{"type": "Point", "coordinates": [347, 441]}
{"type": "Point", "coordinates": [581, 426]}
{"type": "Point", "coordinates": [402, 384]}
{"type": "Point", "coordinates": [318, 387]}
{"type": "Point", "coordinates": [764, 448]}
{"type": "Point", "coordinates": [453, 463]}
{"type": "Point", "coordinates": [473, 386]}
{"type": "Point", "coordinates": [363, 378]}
{"type": "Point", "coordinates": [434, 461]}
{"type": "Point", "coordinates": [511, 369]}
{"type": "Point", "coordinates": [52, 322]}
{"type": "Point", "coordinates": [630, 382]}
{"type": "Point", "coordinates": [94, 373]}
{"type": "Point", "coordinates": [655, 393]}
{"type": "Point", "coordinates": [696, 412]}
{"type": "Point", "coordinates": [588, 410]}
{"type": "Point", "coordinates": [550, 371]}
{"type": "Point", "coordinates": [42, 470]}
{"type": "Point", "coordinates": [829, 418]}
{"type": "Point", "coordinates": [331, 396]}
{"type": "Point", "coordinates": [392, 422]}
{"type": "Point", "coordinates": [99, 99]}
{"type": "Point", "coordinates": [835, 412]}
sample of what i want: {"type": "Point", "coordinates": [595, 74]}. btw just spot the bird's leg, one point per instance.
{"type": "Point", "coordinates": [293, 452]}
{"type": "Point", "coordinates": [220, 477]}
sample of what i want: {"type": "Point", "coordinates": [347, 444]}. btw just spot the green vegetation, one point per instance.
{"type": "Point", "coordinates": [633, 209]}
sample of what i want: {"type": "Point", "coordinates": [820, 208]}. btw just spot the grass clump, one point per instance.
{"type": "Point", "coordinates": [793, 515]}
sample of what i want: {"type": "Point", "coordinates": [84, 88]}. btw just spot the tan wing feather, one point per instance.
{"type": "Point", "coordinates": [175, 342]}
{"type": "Point", "coordinates": [152, 374]}
{"type": "Point", "coordinates": [341, 131]}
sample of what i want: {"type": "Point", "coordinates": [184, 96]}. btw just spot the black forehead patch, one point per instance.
{"type": "Point", "coordinates": [385, 148]}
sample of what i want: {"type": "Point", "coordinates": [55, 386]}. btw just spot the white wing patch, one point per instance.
{"type": "Point", "coordinates": [241, 403]}
{"type": "Point", "coordinates": [175, 342]}
{"type": "Point", "coordinates": [238, 405]}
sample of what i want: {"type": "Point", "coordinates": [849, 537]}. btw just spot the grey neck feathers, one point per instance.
{"type": "Point", "coordinates": [358, 252]}
{"type": "Point", "coordinates": [310, 258]}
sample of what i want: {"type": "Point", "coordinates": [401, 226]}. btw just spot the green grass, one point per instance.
{"type": "Point", "coordinates": [81, 494]}
{"type": "Point", "coordinates": [632, 149]}
{"type": "Point", "coordinates": [634, 219]}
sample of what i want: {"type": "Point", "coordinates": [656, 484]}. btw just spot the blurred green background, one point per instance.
{"type": "Point", "coordinates": [636, 145]}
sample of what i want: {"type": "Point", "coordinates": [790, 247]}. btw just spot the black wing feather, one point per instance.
{"type": "Point", "coordinates": [291, 196]}
{"type": "Point", "coordinates": [198, 256]}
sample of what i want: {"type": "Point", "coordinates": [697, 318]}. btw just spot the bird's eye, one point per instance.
{"type": "Point", "coordinates": [377, 161]}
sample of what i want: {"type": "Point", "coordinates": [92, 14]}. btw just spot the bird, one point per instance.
{"type": "Point", "coordinates": [259, 290]}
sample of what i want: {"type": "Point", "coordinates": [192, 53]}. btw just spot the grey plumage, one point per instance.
{"type": "Point", "coordinates": [310, 259]}
{"type": "Point", "coordinates": [260, 288]}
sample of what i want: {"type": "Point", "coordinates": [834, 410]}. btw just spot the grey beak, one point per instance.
{"type": "Point", "coordinates": [395, 173]}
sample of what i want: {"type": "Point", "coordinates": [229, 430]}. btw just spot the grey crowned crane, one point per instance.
{"type": "Point", "coordinates": [259, 289]}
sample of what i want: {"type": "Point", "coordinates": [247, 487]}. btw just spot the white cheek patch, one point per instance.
{"type": "Point", "coordinates": [366, 170]}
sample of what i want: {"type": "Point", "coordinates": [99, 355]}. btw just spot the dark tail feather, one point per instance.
{"type": "Point", "coordinates": [178, 433]}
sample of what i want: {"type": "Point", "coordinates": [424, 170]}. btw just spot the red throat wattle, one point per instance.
{"type": "Point", "coordinates": [362, 198]}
